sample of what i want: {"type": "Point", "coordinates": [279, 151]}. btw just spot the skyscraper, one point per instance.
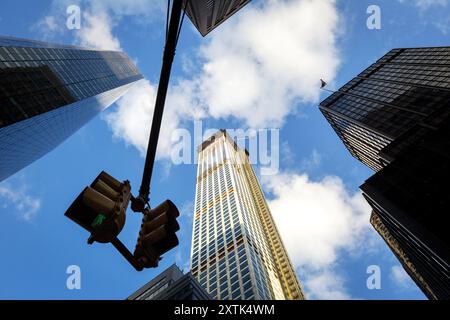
{"type": "Point", "coordinates": [237, 252]}
{"type": "Point", "coordinates": [401, 255]}
{"type": "Point", "coordinates": [406, 88]}
{"type": "Point", "coordinates": [49, 91]}
{"type": "Point", "coordinates": [206, 15]}
{"type": "Point", "coordinates": [410, 197]}
{"type": "Point", "coordinates": [395, 118]}
{"type": "Point", "coordinates": [171, 284]}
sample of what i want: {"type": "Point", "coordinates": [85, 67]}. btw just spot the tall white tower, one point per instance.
{"type": "Point", "coordinates": [237, 252]}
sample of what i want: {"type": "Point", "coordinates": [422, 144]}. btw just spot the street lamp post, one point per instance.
{"type": "Point", "coordinates": [138, 204]}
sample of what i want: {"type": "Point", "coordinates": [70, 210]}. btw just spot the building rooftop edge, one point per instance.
{"type": "Point", "coordinates": [217, 135]}
{"type": "Point", "coordinates": [23, 42]}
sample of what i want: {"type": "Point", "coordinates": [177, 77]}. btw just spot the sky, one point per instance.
{"type": "Point", "coordinates": [259, 70]}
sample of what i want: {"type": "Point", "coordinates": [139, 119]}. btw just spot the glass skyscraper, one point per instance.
{"type": "Point", "coordinates": [206, 15]}
{"type": "Point", "coordinates": [406, 87]}
{"type": "Point", "coordinates": [395, 118]}
{"type": "Point", "coordinates": [49, 91]}
{"type": "Point", "coordinates": [237, 252]}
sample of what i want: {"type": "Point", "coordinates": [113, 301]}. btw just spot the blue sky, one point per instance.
{"type": "Point", "coordinates": [270, 56]}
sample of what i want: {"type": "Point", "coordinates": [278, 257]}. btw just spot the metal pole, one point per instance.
{"type": "Point", "coordinates": [127, 254]}
{"type": "Point", "coordinates": [138, 204]}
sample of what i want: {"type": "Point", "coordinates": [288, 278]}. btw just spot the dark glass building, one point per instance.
{"type": "Point", "coordinates": [171, 284]}
{"type": "Point", "coordinates": [405, 88]}
{"type": "Point", "coordinates": [49, 91]}
{"type": "Point", "coordinates": [401, 255]}
{"type": "Point", "coordinates": [395, 118]}
{"type": "Point", "coordinates": [206, 15]}
{"type": "Point", "coordinates": [410, 196]}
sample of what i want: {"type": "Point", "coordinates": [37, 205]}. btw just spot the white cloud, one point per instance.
{"type": "Point", "coordinates": [440, 20]}
{"type": "Point", "coordinates": [443, 26]}
{"type": "Point", "coordinates": [49, 27]}
{"type": "Point", "coordinates": [97, 32]}
{"type": "Point", "coordinates": [319, 220]}
{"type": "Point", "coordinates": [127, 7]}
{"type": "Point", "coordinates": [50, 23]}
{"type": "Point", "coordinates": [132, 119]}
{"type": "Point", "coordinates": [400, 277]}
{"type": "Point", "coordinates": [16, 197]}
{"type": "Point", "coordinates": [259, 64]}
{"type": "Point", "coordinates": [424, 4]}
{"type": "Point", "coordinates": [98, 19]}
{"type": "Point", "coordinates": [312, 162]}
{"type": "Point", "coordinates": [325, 285]}
{"type": "Point", "coordinates": [254, 78]}
{"type": "Point", "coordinates": [287, 155]}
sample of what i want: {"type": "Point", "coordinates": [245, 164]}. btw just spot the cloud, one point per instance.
{"type": "Point", "coordinates": [98, 19]}
{"type": "Point", "coordinates": [242, 75]}
{"type": "Point", "coordinates": [49, 27]}
{"type": "Point", "coordinates": [182, 253]}
{"type": "Point", "coordinates": [288, 156]}
{"type": "Point", "coordinates": [148, 8]}
{"type": "Point", "coordinates": [425, 4]}
{"type": "Point", "coordinates": [97, 32]}
{"type": "Point", "coordinates": [319, 221]}
{"type": "Point", "coordinates": [312, 162]}
{"type": "Point", "coordinates": [325, 285]}
{"type": "Point", "coordinates": [259, 79]}
{"type": "Point", "coordinates": [16, 197]}
{"type": "Point", "coordinates": [131, 120]}
{"type": "Point", "coordinates": [440, 21]}
{"type": "Point", "coordinates": [400, 277]}
{"type": "Point", "coordinates": [50, 23]}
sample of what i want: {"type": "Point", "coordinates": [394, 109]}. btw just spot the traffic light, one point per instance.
{"type": "Point", "coordinates": [101, 208]}
{"type": "Point", "coordinates": [157, 234]}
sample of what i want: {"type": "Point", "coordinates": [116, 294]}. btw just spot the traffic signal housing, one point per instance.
{"type": "Point", "coordinates": [101, 208]}
{"type": "Point", "coordinates": [157, 234]}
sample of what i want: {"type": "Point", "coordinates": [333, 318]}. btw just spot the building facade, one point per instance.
{"type": "Point", "coordinates": [395, 118]}
{"type": "Point", "coordinates": [404, 89]}
{"type": "Point", "coordinates": [401, 255]}
{"type": "Point", "coordinates": [410, 198]}
{"type": "Point", "coordinates": [206, 15]}
{"type": "Point", "coordinates": [171, 284]}
{"type": "Point", "coordinates": [237, 252]}
{"type": "Point", "coordinates": [49, 91]}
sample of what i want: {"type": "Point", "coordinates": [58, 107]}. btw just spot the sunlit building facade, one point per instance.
{"type": "Point", "coordinates": [49, 91]}
{"type": "Point", "coordinates": [237, 252]}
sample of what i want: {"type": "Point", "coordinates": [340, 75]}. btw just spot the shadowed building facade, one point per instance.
{"type": "Point", "coordinates": [400, 254]}
{"type": "Point", "coordinates": [395, 118]}
{"type": "Point", "coordinates": [206, 15]}
{"type": "Point", "coordinates": [404, 89]}
{"type": "Point", "coordinates": [49, 91]}
{"type": "Point", "coordinates": [171, 284]}
{"type": "Point", "coordinates": [237, 252]}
